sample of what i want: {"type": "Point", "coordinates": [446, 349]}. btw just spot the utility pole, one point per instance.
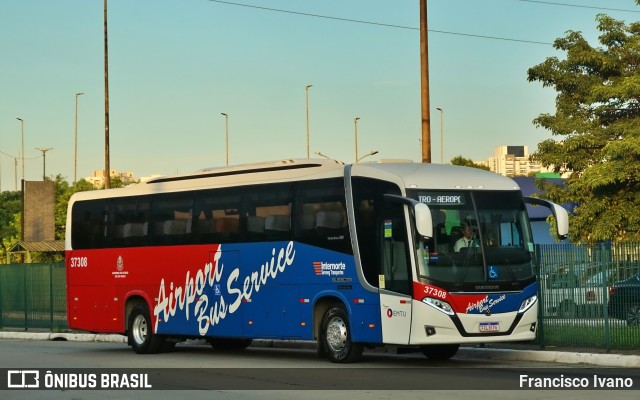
{"type": "Point", "coordinates": [226, 135]}
{"type": "Point", "coordinates": [107, 167]}
{"type": "Point", "coordinates": [44, 160]}
{"type": "Point", "coordinates": [22, 135]}
{"type": "Point", "coordinates": [307, 102]}
{"type": "Point", "coordinates": [424, 74]}
{"type": "Point", "coordinates": [75, 144]}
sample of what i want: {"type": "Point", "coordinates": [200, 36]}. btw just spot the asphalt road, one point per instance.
{"type": "Point", "coordinates": [197, 371]}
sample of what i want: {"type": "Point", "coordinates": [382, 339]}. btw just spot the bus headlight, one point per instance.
{"type": "Point", "coordinates": [527, 304]}
{"type": "Point", "coordinates": [439, 305]}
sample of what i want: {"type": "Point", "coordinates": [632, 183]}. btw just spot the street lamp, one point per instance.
{"type": "Point", "coordinates": [226, 129]}
{"type": "Point", "coordinates": [44, 160]}
{"type": "Point", "coordinates": [306, 89]}
{"type": "Point", "coordinates": [371, 153]}
{"type": "Point", "coordinates": [22, 157]}
{"type": "Point", "coordinates": [329, 158]}
{"type": "Point", "coordinates": [441, 135]}
{"type": "Point", "coordinates": [355, 127]}
{"type": "Point", "coordinates": [75, 144]}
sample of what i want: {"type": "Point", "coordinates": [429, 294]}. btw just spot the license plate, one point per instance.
{"type": "Point", "coordinates": [489, 326]}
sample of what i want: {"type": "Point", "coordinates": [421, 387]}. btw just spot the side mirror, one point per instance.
{"type": "Point", "coordinates": [424, 223]}
{"type": "Point", "coordinates": [559, 213]}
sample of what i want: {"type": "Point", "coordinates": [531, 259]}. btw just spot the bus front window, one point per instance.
{"type": "Point", "coordinates": [479, 237]}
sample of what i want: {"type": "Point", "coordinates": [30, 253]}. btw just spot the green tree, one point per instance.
{"type": "Point", "coordinates": [466, 162]}
{"type": "Point", "coordinates": [597, 122]}
{"type": "Point", "coordinates": [10, 206]}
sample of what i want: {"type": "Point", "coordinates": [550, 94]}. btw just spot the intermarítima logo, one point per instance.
{"type": "Point", "coordinates": [322, 268]}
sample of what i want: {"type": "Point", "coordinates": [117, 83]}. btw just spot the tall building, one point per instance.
{"type": "Point", "coordinates": [513, 161]}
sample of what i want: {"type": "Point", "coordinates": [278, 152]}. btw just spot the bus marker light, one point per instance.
{"type": "Point", "coordinates": [250, 322]}
{"type": "Point", "coordinates": [303, 324]}
{"type": "Point", "coordinates": [358, 301]}
{"type": "Point", "coordinates": [372, 326]}
{"type": "Point", "coordinates": [304, 300]}
{"type": "Point", "coordinates": [403, 302]}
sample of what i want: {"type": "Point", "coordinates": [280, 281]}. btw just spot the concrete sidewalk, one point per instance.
{"type": "Point", "coordinates": [495, 353]}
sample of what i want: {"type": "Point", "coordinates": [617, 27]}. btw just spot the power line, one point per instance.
{"type": "Point", "coordinates": [18, 156]}
{"type": "Point", "coordinates": [551, 3]}
{"type": "Point", "coordinates": [358, 21]}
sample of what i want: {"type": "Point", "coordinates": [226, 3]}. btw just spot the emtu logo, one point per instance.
{"type": "Point", "coordinates": [391, 313]}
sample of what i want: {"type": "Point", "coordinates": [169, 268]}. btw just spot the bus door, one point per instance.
{"type": "Point", "coordinates": [395, 278]}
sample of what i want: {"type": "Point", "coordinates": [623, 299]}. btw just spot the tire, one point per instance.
{"type": "Point", "coordinates": [633, 316]}
{"type": "Point", "coordinates": [440, 351]}
{"type": "Point", "coordinates": [335, 337]}
{"type": "Point", "coordinates": [229, 344]}
{"type": "Point", "coordinates": [141, 338]}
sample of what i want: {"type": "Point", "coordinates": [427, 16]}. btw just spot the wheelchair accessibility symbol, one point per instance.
{"type": "Point", "coordinates": [493, 272]}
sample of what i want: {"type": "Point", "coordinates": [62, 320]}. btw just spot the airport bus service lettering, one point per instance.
{"type": "Point", "coordinates": [182, 297]}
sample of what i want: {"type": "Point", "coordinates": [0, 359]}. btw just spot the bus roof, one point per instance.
{"type": "Point", "coordinates": [408, 174]}
{"type": "Point", "coordinates": [437, 176]}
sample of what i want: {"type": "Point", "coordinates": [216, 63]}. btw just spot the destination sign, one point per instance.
{"type": "Point", "coordinates": [442, 198]}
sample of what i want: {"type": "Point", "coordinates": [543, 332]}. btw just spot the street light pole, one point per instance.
{"type": "Point", "coordinates": [22, 156]}
{"type": "Point", "coordinates": [355, 128]}
{"type": "Point", "coordinates": [226, 130]}
{"type": "Point", "coordinates": [307, 102]}
{"type": "Point", "coordinates": [44, 160]}
{"type": "Point", "coordinates": [441, 135]}
{"type": "Point", "coordinates": [75, 144]}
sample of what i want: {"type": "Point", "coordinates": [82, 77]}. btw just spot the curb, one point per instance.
{"type": "Point", "coordinates": [605, 360]}
{"type": "Point", "coordinates": [73, 337]}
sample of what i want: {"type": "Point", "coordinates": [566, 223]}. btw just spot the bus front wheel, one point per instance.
{"type": "Point", "coordinates": [336, 337]}
{"type": "Point", "coordinates": [140, 336]}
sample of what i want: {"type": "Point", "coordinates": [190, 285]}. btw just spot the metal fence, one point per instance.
{"type": "Point", "coordinates": [589, 295]}
{"type": "Point", "coordinates": [582, 302]}
{"type": "Point", "coordinates": [33, 296]}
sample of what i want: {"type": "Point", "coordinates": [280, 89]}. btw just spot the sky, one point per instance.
{"type": "Point", "coordinates": [176, 65]}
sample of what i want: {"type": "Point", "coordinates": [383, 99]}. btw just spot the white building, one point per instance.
{"type": "Point", "coordinates": [97, 179]}
{"type": "Point", "coordinates": [514, 161]}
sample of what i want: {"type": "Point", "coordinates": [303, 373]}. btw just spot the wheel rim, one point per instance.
{"type": "Point", "coordinates": [633, 318]}
{"type": "Point", "coordinates": [336, 335]}
{"type": "Point", "coordinates": [139, 329]}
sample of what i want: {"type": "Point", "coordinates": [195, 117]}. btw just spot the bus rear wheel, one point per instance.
{"type": "Point", "coordinates": [336, 337]}
{"type": "Point", "coordinates": [140, 336]}
{"type": "Point", "coordinates": [440, 351]}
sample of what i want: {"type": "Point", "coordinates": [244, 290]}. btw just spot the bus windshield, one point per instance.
{"type": "Point", "coordinates": [481, 238]}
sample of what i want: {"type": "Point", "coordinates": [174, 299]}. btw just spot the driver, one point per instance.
{"type": "Point", "coordinates": [467, 239]}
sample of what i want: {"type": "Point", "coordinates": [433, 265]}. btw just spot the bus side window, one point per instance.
{"type": "Point", "coordinates": [320, 215]}
{"type": "Point", "coordinates": [268, 212]}
{"type": "Point", "coordinates": [395, 261]}
{"type": "Point", "coordinates": [89, 224]}
{"type": "Point", "coordinates": [131, 216]}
